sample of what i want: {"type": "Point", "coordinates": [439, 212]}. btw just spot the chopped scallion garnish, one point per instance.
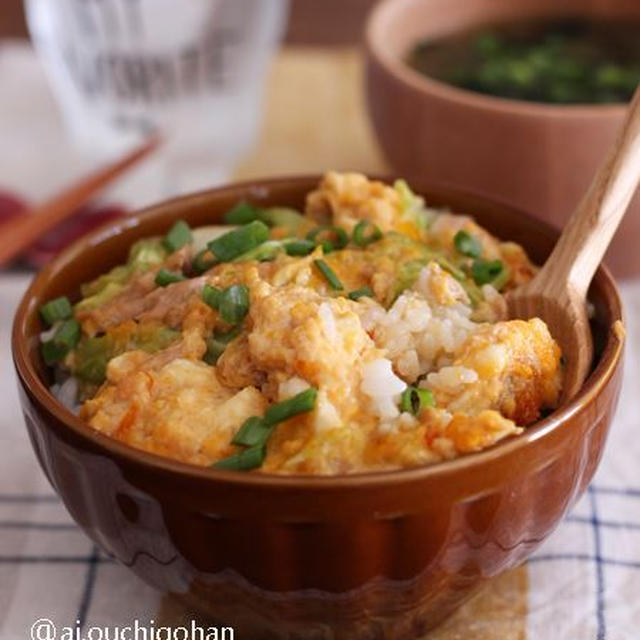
{"type": "Point", "coordinates": [217, 343]}
{"type": "Point", "coordinates": [262, 253]}
{"type": "Point", "coordinates": [359, 293]}
{"type": "Point", "coordinates": [54, 310]}
{"type": "Point", "coordinates": [286, 218]}
{"type": "Point", "coordinates": [329, 237]}
{"type": "Point", "coordinates": [467, 244]}
{"type": "Point", "coordinates": [244, 461]}
{"type": "Point", "coordinates": [211, 296]}
{"type": "Point", "coordinates": [300, 403]}
{"type": "Point", "coordinates": [203, 261]}
{"type": "Point", "coordinates": [486, 271]}
{"type": "Point", "coordinates": [242, 213]}
{"type": "Point", "coordinates": [52, 352]}
{"type": "Point", "coordinates": [178, 236]}
{"type": "Point", "coordinates": [254, 431]}
{"type": "Point", "coordinates": [164, 277]}
{"type": "Point", "coordinates": [234, 243]}
{"type": "Point", "coordinates": [447, 265]}
{"type": "Point", "coordinates": [68, 333]}
{"type": "Point", "coordinates": [65, 338]}
{"type": "Point", "coordinates": [499, 281]}
{"type": "Point", "coordinates": [365, 232]}
{"type": "Point", "coordinates": [329, 274]}
{"type": "Point", "coordinates": [299, 247]}
{"type": "Point", "coordinates": [414, 400]}
{"type": "Point", "coordinates": [233, 303]}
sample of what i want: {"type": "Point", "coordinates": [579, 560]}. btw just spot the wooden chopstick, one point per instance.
{"type": "Point", "coordinates": [18, 234]}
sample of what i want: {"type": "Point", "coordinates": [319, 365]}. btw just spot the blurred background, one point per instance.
{"type": "Point", "coordinates": [311, 22]}
{"type": "Point", "coordinates": [287, 66]}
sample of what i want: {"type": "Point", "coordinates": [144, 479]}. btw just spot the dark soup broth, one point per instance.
{"type": "Point", "coordinates": [567, 61]}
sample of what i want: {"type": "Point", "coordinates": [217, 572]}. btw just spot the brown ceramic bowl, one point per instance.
{"type": "Point", "coordinates": [366, 556]}
{"type": "Point", "coordinates": [537, 157]}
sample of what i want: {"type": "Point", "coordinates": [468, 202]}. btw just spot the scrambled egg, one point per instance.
{"type": "Point", "coordinates": [425, 324]}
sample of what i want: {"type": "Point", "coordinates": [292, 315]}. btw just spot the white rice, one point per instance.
{"type": "Point", "coordinates": [291, 387]}
{"type": "Point", "coordinates": [67, 394]}
{"type": "Point", "coordinates": [383, 386]}
{"type": "Point", "coordinates": [420, 337]}
{"type": "Point", "coordinates": [328, 321]}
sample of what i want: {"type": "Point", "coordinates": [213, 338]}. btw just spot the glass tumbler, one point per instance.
{"type": "Point", "coordinates": [193, 70]}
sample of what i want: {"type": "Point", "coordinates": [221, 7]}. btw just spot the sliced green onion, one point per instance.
{"type": "Point", "coordinates": [359, 293]}
{"type": "Point", "coordinates": [242, 213]}
{"type": "Point", "coordinates": [54, 310]}
{"type": "Point", "coordinates": [65, 338]}
{"type": "Point", "coordinates": [178, 236]}
{"type": "Point", "coordinates": [244, 461]}
{"type": "Point", "coordinates": [284, 217]}
{"type": "Point", "coordinates": [217, 343]}
{"type": "Point", "coordinates": [365, 233]}
{"type": "Point", "coordinates": [262, 253]}
{"type": "Point", "coordinates": [254, 431]}
{"type": "Point", "coordinates": [299, 247]}
{"type": "Point", "coordinates": [68, 333]}
{"type": "Point", "coordinates": [467, 244]}
{"type": "Point", "coordinates": [329, 274]}
{"type": "Point", "coordinates": [414, 400]}
{"type": "Point", "coordinates": [473, 291]}
{"type": "Point", "coordinates": [486, 271]}
{"type": "Point", "coordinates": [203, 261]}
{"type": "Point", "coordinates": [211, 296]}
{"type": "Point", "coordinates": [91, 357]}
{"type": "Point", "coordinates": [329, 237]}
{"type": "Point", "coordinates": [234, 243]}
{"type": "Point", "coordinates": [447, 265]}
{"type": "Point", "coordinates": [165, 277]}
{"type": "Point", "coordinates": [499, 281]}
{"type": "Point", "coordinates": [234, 303]}
{"type": "Point", "coordinates": [300, 403]}
{"type": "Point", "coordinates": [52, 352]}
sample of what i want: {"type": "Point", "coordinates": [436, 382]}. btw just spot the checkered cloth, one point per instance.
{"type": "Point", "coordinates": [583, 583]}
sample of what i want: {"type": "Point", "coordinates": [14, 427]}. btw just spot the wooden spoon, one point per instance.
{"type": "Point", "coordinates": [558, 292]}
{"type": "Point", "coordinates": [20, 233]}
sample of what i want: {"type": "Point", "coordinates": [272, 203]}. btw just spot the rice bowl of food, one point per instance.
{"type": "Point", "coordinates": [333, 366]}
{"type": "Point", "coordinates": [376, 322]}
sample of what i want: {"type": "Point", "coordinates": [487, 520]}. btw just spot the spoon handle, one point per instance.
{"type": "Point", "coordinates": [588, 232]}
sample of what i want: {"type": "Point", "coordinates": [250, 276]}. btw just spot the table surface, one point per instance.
{"type": "Point", "coordinates": [551, 597]}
